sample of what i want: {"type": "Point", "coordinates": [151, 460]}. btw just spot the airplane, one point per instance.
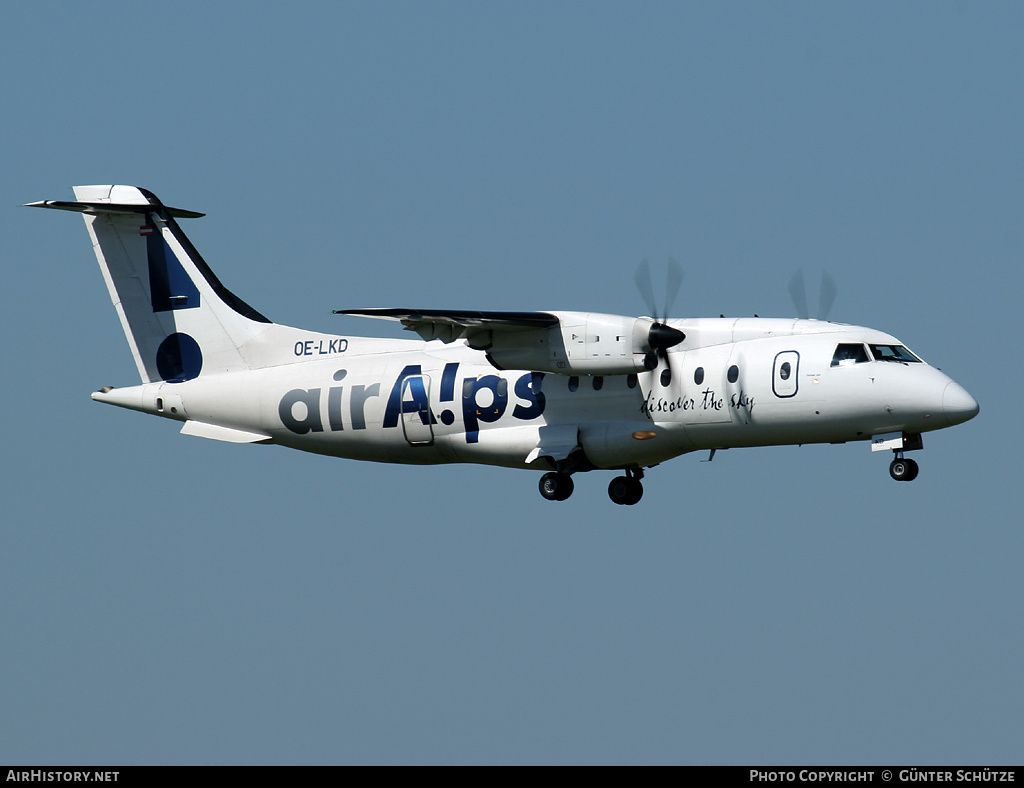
{"type": "Point", "coordinates": [557, 392]}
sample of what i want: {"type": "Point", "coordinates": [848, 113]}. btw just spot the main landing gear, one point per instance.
{"type": "Point", "coordinates": [627, 490]}
{"type": "Point", "coordinates": [624, 490]}
{"type": "Point", "coordinates": [903, 470]}
{"type": "Point", "coordinates": [556, 486]}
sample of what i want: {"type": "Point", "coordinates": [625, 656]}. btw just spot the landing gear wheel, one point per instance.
{"type": "Point", "coordinates": [903, 470]}
{"type": "Point", "coordinates": [625, 491]}
{"type": "Point", "coordinates": [556, 486]}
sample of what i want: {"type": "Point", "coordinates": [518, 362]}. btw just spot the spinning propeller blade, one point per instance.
{"type": "Point", "coordinates": [826, 296]}
{"type": "Point", "coordinates": [798, 292]}
{"type": "Point", "coordinates": [673, 281]}
{"type": "Point", "coordinates": [661, 336]}
{"type": "Point", "coordinates": [642, 277]}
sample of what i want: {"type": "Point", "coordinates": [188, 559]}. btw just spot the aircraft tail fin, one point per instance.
{"type": "Point", "coordinates": [177, 316]}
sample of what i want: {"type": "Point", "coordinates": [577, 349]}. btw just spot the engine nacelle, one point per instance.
{"type": "Point", "coordinates": [583, 343]}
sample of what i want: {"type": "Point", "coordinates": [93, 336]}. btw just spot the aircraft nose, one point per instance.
{"type": "Point", "coordinates": [957, 404]}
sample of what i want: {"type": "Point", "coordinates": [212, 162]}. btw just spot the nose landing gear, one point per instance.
{"type": "Point", "coordinates": [903, 470]}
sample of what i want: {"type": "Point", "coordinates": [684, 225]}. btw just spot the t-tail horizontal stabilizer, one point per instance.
{"type": "Point", "coordinates": [177, 316]}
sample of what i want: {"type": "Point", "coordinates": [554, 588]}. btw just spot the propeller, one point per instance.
{"type": "Point", "coordinates": [826, 296]}
{"type": "Point", "coordinates": [661, 336]}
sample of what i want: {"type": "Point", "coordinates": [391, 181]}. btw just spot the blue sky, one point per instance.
{"type": "Point", "coordinates": [166, 599]}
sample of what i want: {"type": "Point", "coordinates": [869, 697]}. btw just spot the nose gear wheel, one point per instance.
{"type": "Point", "coordinates": [903, 470]}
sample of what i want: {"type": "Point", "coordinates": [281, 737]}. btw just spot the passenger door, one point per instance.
{"type": "Point", "coordinates": [416, 424]}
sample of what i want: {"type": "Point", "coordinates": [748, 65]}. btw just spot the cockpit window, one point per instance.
{"type": "Point", "coordinates": [850, 353]}
{"type": "Point", "coordinates": [894, 353]}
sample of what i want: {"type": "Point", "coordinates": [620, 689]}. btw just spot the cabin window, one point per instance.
{"type": "Point", "coordinates": [574, 383]}
{"type": "Point", "coordinates": [849, 353]}
{"type": "Point", "coordinates": [894, 353]}
{"type": "Point", "coordinates": [785, 370]}
{"type": "Point", "coordinates": [698, 375]}
{"type": "Point", "coordinates": [666, 376]}
{"type": "Point", "coordinates": [631, 381]}
{"type": "Point", "coordinates": [734, 373]}
{"type": "Point", "coordinates": [598, 382]}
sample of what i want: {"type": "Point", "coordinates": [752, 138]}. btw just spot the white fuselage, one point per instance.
{"type": "Point", "coordinates": [732, 383]}
{"type": "Point", "coordinates": [557, 391]}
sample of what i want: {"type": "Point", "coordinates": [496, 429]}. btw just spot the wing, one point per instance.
{"type": "Point", "coordinates": [566, 343]}
{"type": "Point", "coordinates": [451, 324]}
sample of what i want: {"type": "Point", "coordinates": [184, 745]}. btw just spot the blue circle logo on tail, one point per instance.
{"type": "Point", "coordinates": [179, 358]}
